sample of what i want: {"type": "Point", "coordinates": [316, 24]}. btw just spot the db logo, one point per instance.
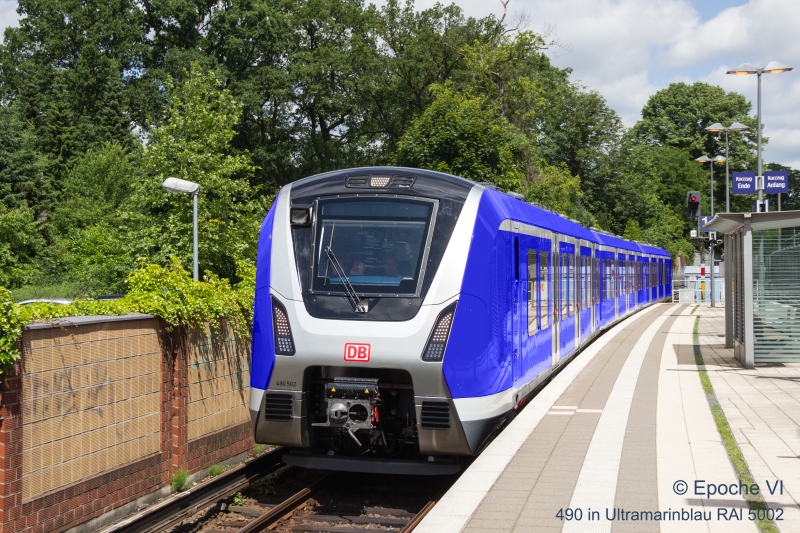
{"type": "Point", "coordinates": [356, 353]}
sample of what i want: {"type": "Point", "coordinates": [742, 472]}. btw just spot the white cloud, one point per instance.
{"type": "Point", "coordinates": [629, 49]}
{"type": "Point", "coordinates": [8, 14]}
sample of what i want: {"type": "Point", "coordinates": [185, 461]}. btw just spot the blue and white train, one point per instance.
{"type": "Point", "coordinates": [401, 315]}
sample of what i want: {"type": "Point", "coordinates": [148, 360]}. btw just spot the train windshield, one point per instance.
{"type": "Point", "coordinates": [379, 243]}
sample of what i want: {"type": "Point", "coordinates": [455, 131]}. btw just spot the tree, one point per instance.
{"type": "Point", "coordinates": [193, 142]}
{"type": "Point", "coordinates": [678, 115]}
{"type": "Point", "coordinates": [20, 242]}
{"type": "Point", "coordinates": [466, 136]}
{"type": "Point", "coordinates": [22, 166]}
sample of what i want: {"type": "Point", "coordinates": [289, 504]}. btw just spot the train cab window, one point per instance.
{"type": "Point", "coordinates": [379, 244]}
{"type": "Point", "coordinates": [544, 290]}
{"type": "Point", "coordinates": [533, 296]}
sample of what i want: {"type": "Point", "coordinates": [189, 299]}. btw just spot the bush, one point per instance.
{"type": "Point", "coordinates": [179, 478]}
{"type": "Point", "coordinates": [215, 470]}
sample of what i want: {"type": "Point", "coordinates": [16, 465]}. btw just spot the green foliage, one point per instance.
{"type": "Point", "coordinates": [632, 230]}
{"type": "Point", "coordinates": [193, 143]}
{"type": "Point", "coordinates": [10, 329]}
{"type": "Point", "coordinates": [238, 499]}
{"type": "Point", "coordinates": [179, 478]}
{"type": "Point", "coordinates": [257, 449]}
{"type": "Point", "coordinates": [678, 115]}
{"type": "Point", "coordinates": [167, 292]}
{"type": "Point", "coordinates": [215, 470]}
{"type": "Point", "coordinates": [463, 135]}
{"type": "Point", "coordinates": [20, 241]}
{"type": "Point", "coordinates": [264, 486]}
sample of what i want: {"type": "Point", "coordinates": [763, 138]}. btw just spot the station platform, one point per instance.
{"type": "Point", "coordinates": [653, 427]}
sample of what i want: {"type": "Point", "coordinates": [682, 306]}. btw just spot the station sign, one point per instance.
{"type": "Point", "coordinates": [744, 183]}
{"type": "Point", "coordinates": [703, 222]}
{"type": "Point", "coordinates": [776, 181]}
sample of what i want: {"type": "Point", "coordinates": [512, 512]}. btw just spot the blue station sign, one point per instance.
{"type": "Point", "coordinates": [776, 181]}
{"type": "Point", "coordinates": [703, 222]}
{"type": "Point", "coordinates": [744, 183]}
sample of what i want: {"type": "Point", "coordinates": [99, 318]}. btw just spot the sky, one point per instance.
{"type": "Point", "coordinates": [629, 49]}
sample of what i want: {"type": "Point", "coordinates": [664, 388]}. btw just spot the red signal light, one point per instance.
{"type": "Point", "coordinates": [694, 198]}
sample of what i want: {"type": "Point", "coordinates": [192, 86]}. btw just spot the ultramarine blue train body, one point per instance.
{"type": "Point", "coordinates": [526, 289]}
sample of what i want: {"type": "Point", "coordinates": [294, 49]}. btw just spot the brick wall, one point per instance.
{"type": "Point", "coordinates": [96, 415]}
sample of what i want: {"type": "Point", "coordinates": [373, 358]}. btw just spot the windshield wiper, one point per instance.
{"type": "Point", "coordinates": [360, 306]}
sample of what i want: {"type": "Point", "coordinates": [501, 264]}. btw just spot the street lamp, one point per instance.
{"type": "Point", "coordinates": [180, 186]}
{"type": "Point", "coordinates": [716, 127]}
{"type": "Point", "coordinates": [705, 159]}
{"type": "Point", "coordinates": [773, 67]}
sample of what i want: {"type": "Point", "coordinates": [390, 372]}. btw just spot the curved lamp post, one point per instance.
{"type": "Point", "coordinates": [706, 159]}
{"type": "Point", "coordinates": [180, 186]}
{"type": "Point", "coordinates": [714, 128]}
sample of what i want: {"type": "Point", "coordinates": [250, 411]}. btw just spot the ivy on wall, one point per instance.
{"type": "Point", "coordinates": [168, 292]}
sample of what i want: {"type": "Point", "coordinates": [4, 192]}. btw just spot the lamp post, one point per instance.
{"type": "Point", "coordinates": [773, 67]}
{"type": "Point", "coordinates": [716, 127]}
{"type": "Point", "coordinates": [180, 186]}
{"type": "Point", "coordinates": [706, 159]}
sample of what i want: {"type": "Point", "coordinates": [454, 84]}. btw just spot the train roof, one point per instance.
{"type": "Point", "coordinates": [439, 184]}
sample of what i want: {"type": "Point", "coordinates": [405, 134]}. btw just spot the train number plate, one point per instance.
{"type": "Point", "coordinates": [356, 353]}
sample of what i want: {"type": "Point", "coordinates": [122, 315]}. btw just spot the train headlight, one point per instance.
{"type": "Point", "coordinates": [434, 349]}
{"type": "Point", "coordinates": [284, 343]}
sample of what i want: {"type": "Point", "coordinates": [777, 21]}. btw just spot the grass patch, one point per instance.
{"type": "Point", "coordinates": [67, 289]}
{"type": "Point", "coordinates": [695, 308]}
{"type": "Point", "coordinates": [257, 449]}
{"type": "Point", "coordinates": [215, 470]}
{"type": "Point", "coordinates": [179, 478]}
{"type": "Point", "coordinates": [754, 501]}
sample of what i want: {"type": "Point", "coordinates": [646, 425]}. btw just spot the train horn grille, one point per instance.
{"type": "Point", "coordinates": [278, 406]}
{"type": "Point", "coordinates": [435, 415]}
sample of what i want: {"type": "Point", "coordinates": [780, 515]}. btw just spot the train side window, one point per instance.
{"type": "Point", "coordinates": [533, 286]}
{"type": "Point", "coordinates": [582, 263]}
{"type": "Point", "coordinates": [544, 290]}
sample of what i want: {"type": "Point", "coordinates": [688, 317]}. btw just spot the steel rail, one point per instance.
{"type": "Point", "coordinates": [179, 506]}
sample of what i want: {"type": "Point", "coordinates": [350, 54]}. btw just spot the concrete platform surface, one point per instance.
{"type": "Point", "coordinates": [624, 439]}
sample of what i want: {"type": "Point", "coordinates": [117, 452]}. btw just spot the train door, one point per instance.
{"type": "Point", "coordinates": [585, 265]}
{"type": "Point", "coordinates": [596, 290]}
{"type": "Point", "coordinates": [631, 276]}
{"type": "Point", "coordinates": [566, 297]}
{"type": "Point", "coordinates": [533, 332]}
{"type": "Point", "coordinates": [517, 315]}
{"type": "Point", "coordinates": [622, 298]}
{"type": "Point", "coordinates": [653, 279]}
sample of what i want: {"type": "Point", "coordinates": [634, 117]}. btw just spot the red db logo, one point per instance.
{"type": "Point", "coordinates": [356, 353]}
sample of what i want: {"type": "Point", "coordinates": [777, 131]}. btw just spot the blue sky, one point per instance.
{"type": "Point", "coordinates": [629, 49]}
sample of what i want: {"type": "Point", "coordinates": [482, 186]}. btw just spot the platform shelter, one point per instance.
{"type": "Point", "coordinates": [762, 285]}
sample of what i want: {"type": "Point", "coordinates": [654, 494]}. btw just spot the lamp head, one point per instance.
{"type": "Point", "coordinates": [774, 67]}
{"type": "Point", "coordinates": [178, 185]}
{"type": "Point", "coordinates": [738, 126]}
{"type": "Point", "coordinates": [718, 159]}
{"type": "Point", "coordinates": [743, 70]}
{"type": "Point", "coordinates": [703, 159]}
{"type": "Point", "coordinates": [715, 127]}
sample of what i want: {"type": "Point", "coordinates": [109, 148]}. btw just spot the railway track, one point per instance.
{"type": "Point", "coordinates": [337, 503]}
{"type": "Point", "coordinates": [278, 498]}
